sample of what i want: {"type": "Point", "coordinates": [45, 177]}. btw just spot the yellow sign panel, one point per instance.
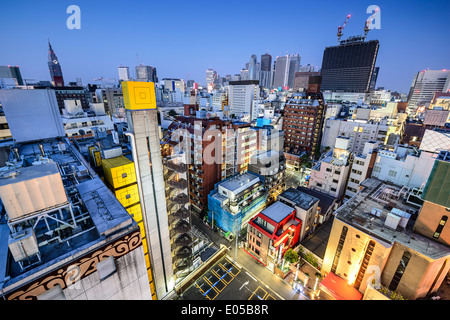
{"type": "Point", "coordinates": [139, 95]}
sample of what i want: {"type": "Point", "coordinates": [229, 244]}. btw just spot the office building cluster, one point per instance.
{"type": "Point", "coordinates": [100, 184]}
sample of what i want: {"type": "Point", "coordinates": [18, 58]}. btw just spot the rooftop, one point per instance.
{"type": "Point", "coordinates": [278, 211]}
{"type": "Point", "coordinates": [370, 211]}
{"type": "Point", "coordinates": [90, 217]}
{"type": "Point", "coordinates": [325, 200]}
{"type": "Point", "coordinates": [238, 181]}
{"type": "Point", "coordinates": [299, 198]}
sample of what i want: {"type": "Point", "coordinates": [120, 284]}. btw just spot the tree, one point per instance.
{"type": "Point", "coordinates": [291, 256]}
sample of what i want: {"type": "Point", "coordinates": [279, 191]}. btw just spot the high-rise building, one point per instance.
{"type": "Point", "coordinates": [211, 76]}
{"type": "Point", "coordinates": [294, 66]}
{"type": "Point", "coordinates": [304, 115]}
{"type": "Point", "coordinates": [425, 84]}
{"type": "Point", "coordinates": [146, 73]}
{"type": "Point", "coordinates": [281, 74]}
{"type": "Point", "coordinates": [10, 72]}
{"type": "Point", "coordinates": [54, 68]}
{"type": "Point", "coordinates": [241, 96]}
{"type": "Point", "coordinates": [265, 74]}
{"type": "Point", "coordinates": [349, 66]}
{"type": "Point", "coordinates": [124, 73]}
{"type": "Point", "coordinates": [253, 70]}
{"type": "Point", "coordinates": [286, 67]}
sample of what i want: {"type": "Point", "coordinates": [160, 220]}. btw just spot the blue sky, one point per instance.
{"type": "Point", "coordinates": [187, 37]}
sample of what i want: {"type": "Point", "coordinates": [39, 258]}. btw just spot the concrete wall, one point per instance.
{"type": "Point", "coordinates": [129, 282]}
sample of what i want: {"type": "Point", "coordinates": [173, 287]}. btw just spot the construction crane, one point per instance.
{"type": "Point", "coordinates": [367, 24]}
{"type": "Point", "coordinates": [341, 28]}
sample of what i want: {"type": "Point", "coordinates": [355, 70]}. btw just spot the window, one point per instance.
{"type": "Point", "coordinates": [400, 271]}
{"type": "Point", "coordinates": [392, 173]}
{"type": "Point", "coordinates": [376, 169]}
{"type": "Point", "coordinates": [319, 185]}
{"type": "Point", "coordinates": [441, 225]}
{"type": "Point", "coordinates": [339, 249]}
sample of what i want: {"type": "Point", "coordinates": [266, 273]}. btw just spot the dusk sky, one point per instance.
{"type": "Point", "coordinates": [187, 37]}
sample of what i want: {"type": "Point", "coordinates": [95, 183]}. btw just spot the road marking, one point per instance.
{"type": "Point", "coordinates": [243, 285]}
{"type": "Point", "coordinates": [250, 275]}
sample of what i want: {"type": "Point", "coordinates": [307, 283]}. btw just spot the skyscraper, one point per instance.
{"type": "Point", "coordinates": [425, 84]}
{"type": "Point", "coordinates": [211, 75]}
{"type": "Point", "coordinates": [266, 62]}
{"type": "Point", "coordinates": [286, 67]}
{"type": "Point", "coordinates": [124, 73]}
{"type": "Point", "coordinates": [253, 68]}
{"type": "Point", "coordinates": [350, 65]}
{"type": "Point", "coordinates": [265, 74]}
{"type": "Point", "coordinates": [294, 66]}
{"type": "Point", "coordinates": [146, 73]}
{"type": "Point", "coordinates": [280, 78]}
{"type": "Point", "coordinates": [54, 67]}
{"type": "Point", "coordinates": [9, 72]}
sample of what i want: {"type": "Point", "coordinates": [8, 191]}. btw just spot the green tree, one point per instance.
{"type": "Point", "coordinates": [291, 256]}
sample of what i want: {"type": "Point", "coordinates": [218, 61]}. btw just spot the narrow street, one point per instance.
{"type": "Point", "coordinates": [282, 290]}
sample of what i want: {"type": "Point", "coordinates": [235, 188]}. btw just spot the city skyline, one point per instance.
{"type": "Point", "coordinates": [103, 43]}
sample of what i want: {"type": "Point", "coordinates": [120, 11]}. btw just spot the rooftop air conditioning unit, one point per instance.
{"type": "Point", "coordinates": [23, 244]}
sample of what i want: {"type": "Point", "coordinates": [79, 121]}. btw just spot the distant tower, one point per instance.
{"type": "Point", "coordinates": [54, 67]}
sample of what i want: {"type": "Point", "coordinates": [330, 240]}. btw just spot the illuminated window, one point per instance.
{"type": "Point", "coordinates": [441, 225]}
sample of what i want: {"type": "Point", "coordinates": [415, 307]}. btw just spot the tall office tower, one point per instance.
{"type": "Point", "coordinates": [294, 66]}
{"type": "Point", "coordinates": [211, 76]}
{"type": "Point", "coordinates": [425, 84]}
{"type": "Point", "coordinates": [241, 96]}
{"type": "Point", "coordinates": [286, 67]}
{"type": "Point", "coordinates": [9, 72]}
{"type": "Point", "coordinates": [54, 68]}
{"type": "Point", "coordinates": [140, 104]}
{"type": "Point", "coordinates": [146, 73]}
{"type": "Point", "coordinates": [124, 73]}
{"type": "Point", "coordinates": [253, 72]}
{"type": "Point", "coordinates": [281, 75]}
{"type": "Point", "coordinates": [349, 66]}
{"type": "Point", "coordinates": [304, 115]}
{"type": "Point", "coordinates": [265, 74]}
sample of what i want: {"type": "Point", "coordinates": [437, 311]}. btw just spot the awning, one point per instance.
{"type": "Point", "coordinates": [339, 289]}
